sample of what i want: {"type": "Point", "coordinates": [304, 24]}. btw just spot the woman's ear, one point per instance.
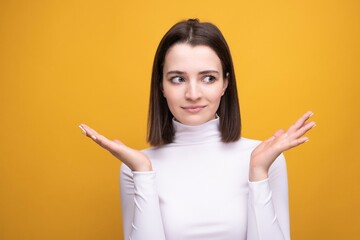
{"type": "Point", "coordinates": [226, 82]}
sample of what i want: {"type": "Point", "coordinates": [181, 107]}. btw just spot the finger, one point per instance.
{"type": "Point", "coordinates": [83, 130]}
{"type": "Point", "coordinates": [119, 142]}
{"type": "Point", "coordinates": [300, 122]}
{"type": "Point", "coordinates": [299, 141]}
{"type": "Point", "coordinates": [104, 142]}
{"type": "Point", "coordinates": [304, 129]}
{"type": "Point", "coordinates": [88, 131]}
{"type": "Point", "coordinates": [278, 133]}
{"type": "Point", "coordinates": [115, 147]}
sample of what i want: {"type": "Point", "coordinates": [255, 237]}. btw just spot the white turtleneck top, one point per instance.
{"type": "Point", "coordinates": [199, 190]}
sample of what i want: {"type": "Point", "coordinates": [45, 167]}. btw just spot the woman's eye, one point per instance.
{"type": "Point", "coordinates": [176, 79]}
{"type": "Point", "coordinates": [209, 79]}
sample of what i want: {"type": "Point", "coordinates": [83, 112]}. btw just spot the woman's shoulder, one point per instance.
{"type": "Point", "coordinates": [150, 149]}
{"type": "Point", "coordinates": [245, 143]}
{"type": "Point", "coordinates": [249, 141]}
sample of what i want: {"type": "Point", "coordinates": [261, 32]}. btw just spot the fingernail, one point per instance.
{"type": "Point", "coordinates": [93, 137]}
{"type": "Point", "coordinates": [311, 114]}
{"type": "Point", "coordinates": [82, 130]}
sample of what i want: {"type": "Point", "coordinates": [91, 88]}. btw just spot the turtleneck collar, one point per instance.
{"type": "Point", "coordinates": [206, 132]}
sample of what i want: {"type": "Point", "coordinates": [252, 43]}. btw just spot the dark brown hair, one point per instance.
{"type": "Point", "coordinates": [160, 128]}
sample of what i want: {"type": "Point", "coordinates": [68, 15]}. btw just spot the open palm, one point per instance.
{"type": "Point", "coordinates": [265, 153]}
{"type": "Point", "coordinates": [134, 159]}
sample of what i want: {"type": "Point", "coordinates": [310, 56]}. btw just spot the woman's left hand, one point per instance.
{"type": "Point", "coordinates": [265, 153]}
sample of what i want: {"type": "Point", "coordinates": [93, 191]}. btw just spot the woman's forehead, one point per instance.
{"type": "Point", "coordinates": [184, 57]}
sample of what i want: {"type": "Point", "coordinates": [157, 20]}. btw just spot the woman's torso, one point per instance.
{"type": "Point", "coordinates": [203, 187]}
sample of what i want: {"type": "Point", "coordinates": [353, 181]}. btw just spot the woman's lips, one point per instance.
{"type": "Point", "coordinates": [194, 109]}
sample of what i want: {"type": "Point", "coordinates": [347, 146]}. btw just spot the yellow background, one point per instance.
{"type": "Point", "coordinates": [67, 62]}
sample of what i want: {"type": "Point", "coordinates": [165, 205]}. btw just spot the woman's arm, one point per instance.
{"type": "Point", "coordinates": [268, 207]}
{"type": "Point", "coordinates": [268, 211]}
{"type": "Point", "coordinates": [140, 208]}
{"type": "Point", "coordinates": [139, 198]}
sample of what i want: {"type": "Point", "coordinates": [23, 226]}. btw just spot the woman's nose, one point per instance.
{"type": "Point", "coordinates": [193, 91]}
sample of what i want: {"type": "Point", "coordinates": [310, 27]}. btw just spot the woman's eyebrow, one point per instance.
{"type": "Point", "coordinates": [175, 72]}
{"type": "Point", "coordinates": [209, 71]}
{"type": "Point", "coordinates": [202, 72]}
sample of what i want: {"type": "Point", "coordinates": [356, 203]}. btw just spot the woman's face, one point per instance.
{"type": "Point", "coordinates": [193, 83]}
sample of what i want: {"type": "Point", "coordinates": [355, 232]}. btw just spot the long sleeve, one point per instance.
{"type": "Point", "coordinates": [140, 205]}
{"type": "Point", "coordinates": [268, 208]}
{"type": "Point", "coordinates": [200, 190]}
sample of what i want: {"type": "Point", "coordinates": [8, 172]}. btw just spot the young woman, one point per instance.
{"type": "Point", "coordinates": [200, 179]}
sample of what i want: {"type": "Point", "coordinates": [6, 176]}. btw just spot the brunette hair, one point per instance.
{"type": "Point", "coordinates": [160, 128]}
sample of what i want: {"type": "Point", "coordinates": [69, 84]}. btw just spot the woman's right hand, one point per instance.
{"type": "Point", "coordinates": [134, 159]}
